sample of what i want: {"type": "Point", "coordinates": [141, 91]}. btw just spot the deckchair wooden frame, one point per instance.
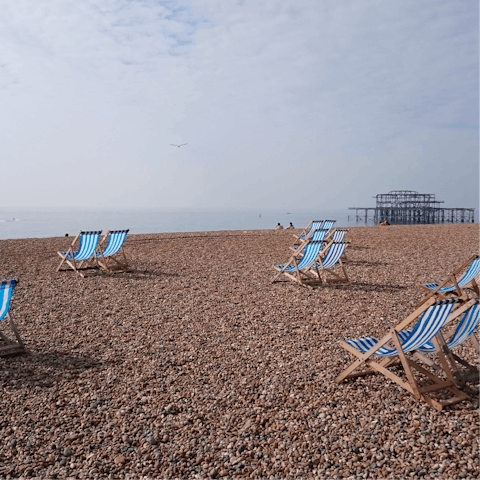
{"type": "Point", "coordinates": [11, 347]}
{"type": "Point", "coordinates": [105, 263]}
{"type": "Point", "coordinates": [300, 276]}
{"type": "Point", "coordinates": [408, 364]}
{"type": "Point", "coordinates": [314, 276]}
{"type": "Point", "coordinates": [452, 278]}
{"type": "Point", "coordinates": [461, 376]}
{"type": "Point", "coordinates": [72, 263]}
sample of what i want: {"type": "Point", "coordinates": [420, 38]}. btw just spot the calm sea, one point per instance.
{"type": "Point", "coordinates": [54, 222]}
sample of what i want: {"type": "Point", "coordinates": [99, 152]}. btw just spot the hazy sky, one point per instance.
{"type": "Point", "coordinates": [283, 103]}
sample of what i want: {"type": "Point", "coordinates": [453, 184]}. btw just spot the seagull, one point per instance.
{"type": "Point", "coordinates": [173, 145]}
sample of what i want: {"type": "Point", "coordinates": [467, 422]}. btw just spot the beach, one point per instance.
{"type": "Point", "coordinates": [195, 365]}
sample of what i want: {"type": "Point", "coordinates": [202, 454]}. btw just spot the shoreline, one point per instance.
{"type": "Point", "coordinates": [175, 234]}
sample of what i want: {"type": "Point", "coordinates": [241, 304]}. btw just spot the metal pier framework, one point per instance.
{"type": "Point", "coordinates": [406, 207]}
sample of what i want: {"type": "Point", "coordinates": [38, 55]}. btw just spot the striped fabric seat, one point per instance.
{"type": "Point", "coordinates": [471, 273]}
{"type": "Point", "coordinates": [318, 235]}
{"type": "Point", "coordinates": [7, 346]}
{"type": "Point", "coordinates": [85, 255]}
{"type": "Point", "coordinates": [6, 289]}
{"type": "Point", "coordinates": [328, 224]}
{"type": "Point", "coordinates": [310, 254]}
{"type": "Point", "coordinates": [314, 225]}
{"type": "Point", "coordinates": [115, 243]}
{"type": "Point", "coordinates": [464, 330]}
{"type": "Point", "coordinates": [113, 258]}
{"type": "Point", "coordinates": [332, 256]}
{"type": "Point", "coordinates": [86, 250]}
{"type": "Point", "coordinates": [339, 235]}
{"type": "Point", "coordinates": [427, 327]}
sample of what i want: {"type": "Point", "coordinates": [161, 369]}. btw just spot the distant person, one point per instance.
{"type": "Point", "coordinates": [290, 226]}
{"type": "Point", "coordinates": [278, 226]}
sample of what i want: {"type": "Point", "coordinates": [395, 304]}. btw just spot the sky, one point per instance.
{"type": "Point", "coordinates": [282, 103]}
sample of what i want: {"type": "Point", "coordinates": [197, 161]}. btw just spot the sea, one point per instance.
{"type": "Point", "coordinates": [24, 222]}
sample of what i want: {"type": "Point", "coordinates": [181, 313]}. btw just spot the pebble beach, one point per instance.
{"type": "Point", "coordinates": [194, 365]}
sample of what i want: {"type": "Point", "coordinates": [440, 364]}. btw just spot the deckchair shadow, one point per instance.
{"type": "Point", "coordinates": [40, 369]}
{"type": "Point", "coordinates": [372, 287]}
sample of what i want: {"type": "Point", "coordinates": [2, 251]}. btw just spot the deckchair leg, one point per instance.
{"type": "Point", "coordinates": [438, 384]}
{"type": "Point", "coordinates": [64, 258]}
{"type": "Point", "coordinates": [440, 346]}
{"type": "Point", "coordinates": [344, 270]}
{"type": "Point", "coordinates": [61, 263]}
{"type": "Point", "coordinates": [406, 364]}
{"type": "Point", "coordinates": [15, 330]}
{"type": "Point", "coordinates": [386, 362]}
{"type": "Point", "coordinates": [11, 347]}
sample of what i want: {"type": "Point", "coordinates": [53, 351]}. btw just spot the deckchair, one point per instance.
{"type": "Point", "coordinates": [108, 259]}
{"type": "Point", "coordinates": [463, 332]}
{"type": "Point", "coordinates": [299, 262]}
{"type": "Point", "coordinates": [85, 255]}
{"type": "Point", "coordinates": [8, 346]}
{"type": "Point", "coordinates": [431, 317]}
{"type": "Point", "coordinates": [468, 279]}
{"type": "Point", "coordinates": [322, 270]}
{"type": "Point", "coordinates": [312, 226]}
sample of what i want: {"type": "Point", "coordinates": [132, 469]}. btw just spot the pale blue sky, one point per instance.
{"type": "Point", "coordinates": [282, 102]}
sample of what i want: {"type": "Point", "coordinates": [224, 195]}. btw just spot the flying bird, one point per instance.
{"type": "Point", "coordinates": [173, 145]}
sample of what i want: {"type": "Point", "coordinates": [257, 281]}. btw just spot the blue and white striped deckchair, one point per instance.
{"type": "Point", "coordinates": [7, 346]}
{"type": "Point", "coordinates": [430, 318]}
{"type": "Point", "coordinates": [107, 259]}
{"type": "Point", "coordinates": [300, 262]}
{"type": "Point", "coordinates": [471, 273]}
{"type": "Point", "coordinates": [327, 260]}
{"type": "Point", "coordinates": [85, 254]}
{"type": "Point", "coordinates": [466, 280]}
